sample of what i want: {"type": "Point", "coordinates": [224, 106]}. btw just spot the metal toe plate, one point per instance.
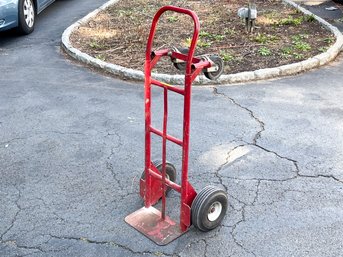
{"type": "Point", "coordinates": [148, 221]}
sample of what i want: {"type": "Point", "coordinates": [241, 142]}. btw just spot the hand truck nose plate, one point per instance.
{"type": "Point", "coordinates": [149, 222]}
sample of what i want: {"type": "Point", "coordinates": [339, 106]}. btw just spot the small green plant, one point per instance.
{"type": "Point", "coordinates": [216, 37]}
{"type": "Point", "coordinates": [287, 52]}
{"type": "Point", "coordinates": [323, 49]}
{"type": "Point", "coordinates": [100, 57]}
{"type": "Point", "coordinates": [201, 43]}
{"type": "Point", "coordinates": [298, 55]}
{"type": "Point", "coordinates": [309, 18]}
{"type": "Point", "coordinates": [172, 18]}
{"type": "Point", "coordinates": [95, 45]}
{"type": "Point", "coordinates": [204, 34]}
{"type": "Point", "coordinates": [204, 44]}
{"type": "Point", "coordinates": [264, 51]}
{"type": "Point", "coordinates": [291, 21]}
{"type": "Point", "coordinates": [229, 32]}
{"type": "Point", "coordinates": [299, 38]}
{"type": "Point", "coordinates": [263, 38]}
{"type": "Point", "coordinates": [188, 42]}
{"type": "Point", "coordinates": [302, 46]}
{"type": "Point", "coordinates": [226, 56]}
{"type": "Point", "coordinates": [329, 40]}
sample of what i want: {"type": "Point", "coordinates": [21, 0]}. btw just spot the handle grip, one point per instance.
{"type": "Point", "coordinates": [194, 38]}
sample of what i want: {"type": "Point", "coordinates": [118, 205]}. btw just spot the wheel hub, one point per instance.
{"type": "Point", "coordinates": [214, 211]}
{"type": "Point", "coordinates": [29, 13]}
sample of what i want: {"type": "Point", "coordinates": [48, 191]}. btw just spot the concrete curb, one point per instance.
{"type": "Point", "coordinates": [262, 74]}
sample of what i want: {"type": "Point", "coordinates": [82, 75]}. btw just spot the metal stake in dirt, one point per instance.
{"type": "Point", "coordinates": [206, 209]}
{"type": "Point", "coordinates": [249, 14]}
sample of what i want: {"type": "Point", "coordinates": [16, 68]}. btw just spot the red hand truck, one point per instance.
{"type": "Point", "coordinates": [205, 210]}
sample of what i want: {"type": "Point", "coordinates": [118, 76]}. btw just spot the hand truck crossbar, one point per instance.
{"type": "Point", "coordinates": [175, 89]}
{"type": "Point", "coordinates": [156, 174]}
{"type": "Point", "coordinates": [168, 137]}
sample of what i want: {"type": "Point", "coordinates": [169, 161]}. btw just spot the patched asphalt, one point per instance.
{"type": "Point", "coordinates": [71, 154]}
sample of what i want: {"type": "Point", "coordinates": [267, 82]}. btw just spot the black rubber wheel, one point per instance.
{"type": "Point", "coordinates": [170, 171]}
{"type": "Point", "coordinates": [26, 16]}
{"type": "Point", "coordinates": [209, 208]}
{"type": "Point", "coordinates": [181, 65]}
{"type": "Point", "coordinates": [215, 74]}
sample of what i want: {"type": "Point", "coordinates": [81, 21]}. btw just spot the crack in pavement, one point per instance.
{"type": "Point", "coordinates": [14, 243]}
{"type": "Point", "coordinates": [297, 169]}
{"type": "Point", "coordinates": [224, 164]}
{"type": "Point", "coordinates": [233, 233]}
{"type": "Point", "coordinates": [108, 243]}
{"type": "Point", "coordinates": [109, 165]}
{"type": "Point", "coordinates": [14, 218]}
{"type": "Point", "coordinates": [251, 113]}
{"type": "Point", "coordinates": [201, 240]}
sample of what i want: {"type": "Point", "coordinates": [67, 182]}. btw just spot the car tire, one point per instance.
{"type": "Point", "coordinates": [26, 16]}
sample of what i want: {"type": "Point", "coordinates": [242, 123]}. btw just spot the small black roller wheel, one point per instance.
{"type": "Point", "coordinates": [209, 208]}
{"type": "Point", "coordinates": [170, 171]}
{"type": "Point", "coordinates": [181, 65]}
{"type": "Point", "coordinates": [213, 75]}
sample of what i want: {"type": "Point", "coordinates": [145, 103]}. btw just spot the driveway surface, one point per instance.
{"type": "Point", "coordinates": [71, 154]}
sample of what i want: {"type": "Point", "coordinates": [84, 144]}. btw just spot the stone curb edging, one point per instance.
{"type": "Point", "coordinates": [262, 74]}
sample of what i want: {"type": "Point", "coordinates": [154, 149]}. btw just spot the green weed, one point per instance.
{"type": "Point", "coordinates": [291, 21]}
{"type": "Point", "coordinates": [263, 38]}
{"type": "Point", "coordinates": [216, 37]}
{"type": "Point", "coordinates": [309, 18]}
{"type": "Point", "coordinates": [323, 49]}
{"type": "Point", "coordinates": [299, 38]}
{"type": "Point", "coordinates": [229, 32]}
{"type": "Point", "coordinates": [226, 56]}
{"type": "Point", "coordinates": [302, 46]}
{"type": "Point", "coordinates": [101, 57]}
{"type": "Point", "coordinates": [329, 40]}
{"type": "Point", "coordinates": [95, 45]}
{"type": "Point", "coordinates": [264, 51]}
{"type": "Point", "coordinates": [298, 55]}
{"type": "Point", "coordinates": [201, 43]}
{"type": "Point", "coordinates": [287, 52]}
{"type": "Point", "coordinates": [172, 18]}
{"type": "Point", "coordinates": [204, 44]}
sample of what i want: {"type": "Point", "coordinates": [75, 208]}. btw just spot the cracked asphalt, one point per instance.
{"type": "Point", "coordinates": [71, 154]}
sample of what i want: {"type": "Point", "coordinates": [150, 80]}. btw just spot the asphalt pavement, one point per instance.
{"type": "Point", "coordinates": [71, 155]}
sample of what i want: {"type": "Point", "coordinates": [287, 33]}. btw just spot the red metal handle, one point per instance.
{"type": "Point", "coordinates": [153, 30]}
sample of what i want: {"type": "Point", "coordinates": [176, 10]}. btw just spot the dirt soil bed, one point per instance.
{"type": "Point", "coordinates": [282, 34]}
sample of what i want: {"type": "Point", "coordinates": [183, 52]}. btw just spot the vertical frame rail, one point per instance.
{"type": "Point", "coordinates": [164, 152]}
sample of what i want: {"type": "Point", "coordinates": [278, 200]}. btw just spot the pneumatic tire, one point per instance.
{"type": "Point", "coordinates": [209, 208]}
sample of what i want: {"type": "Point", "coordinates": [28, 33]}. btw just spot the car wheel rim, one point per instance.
{"type": "Point", "coordinates": [29, 13]}
{"type": "Point", "coordinates": [214, 211]}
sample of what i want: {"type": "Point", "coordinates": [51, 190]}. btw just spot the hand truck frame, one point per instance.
{"type": "Point", "coordinates": [204, 210]}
